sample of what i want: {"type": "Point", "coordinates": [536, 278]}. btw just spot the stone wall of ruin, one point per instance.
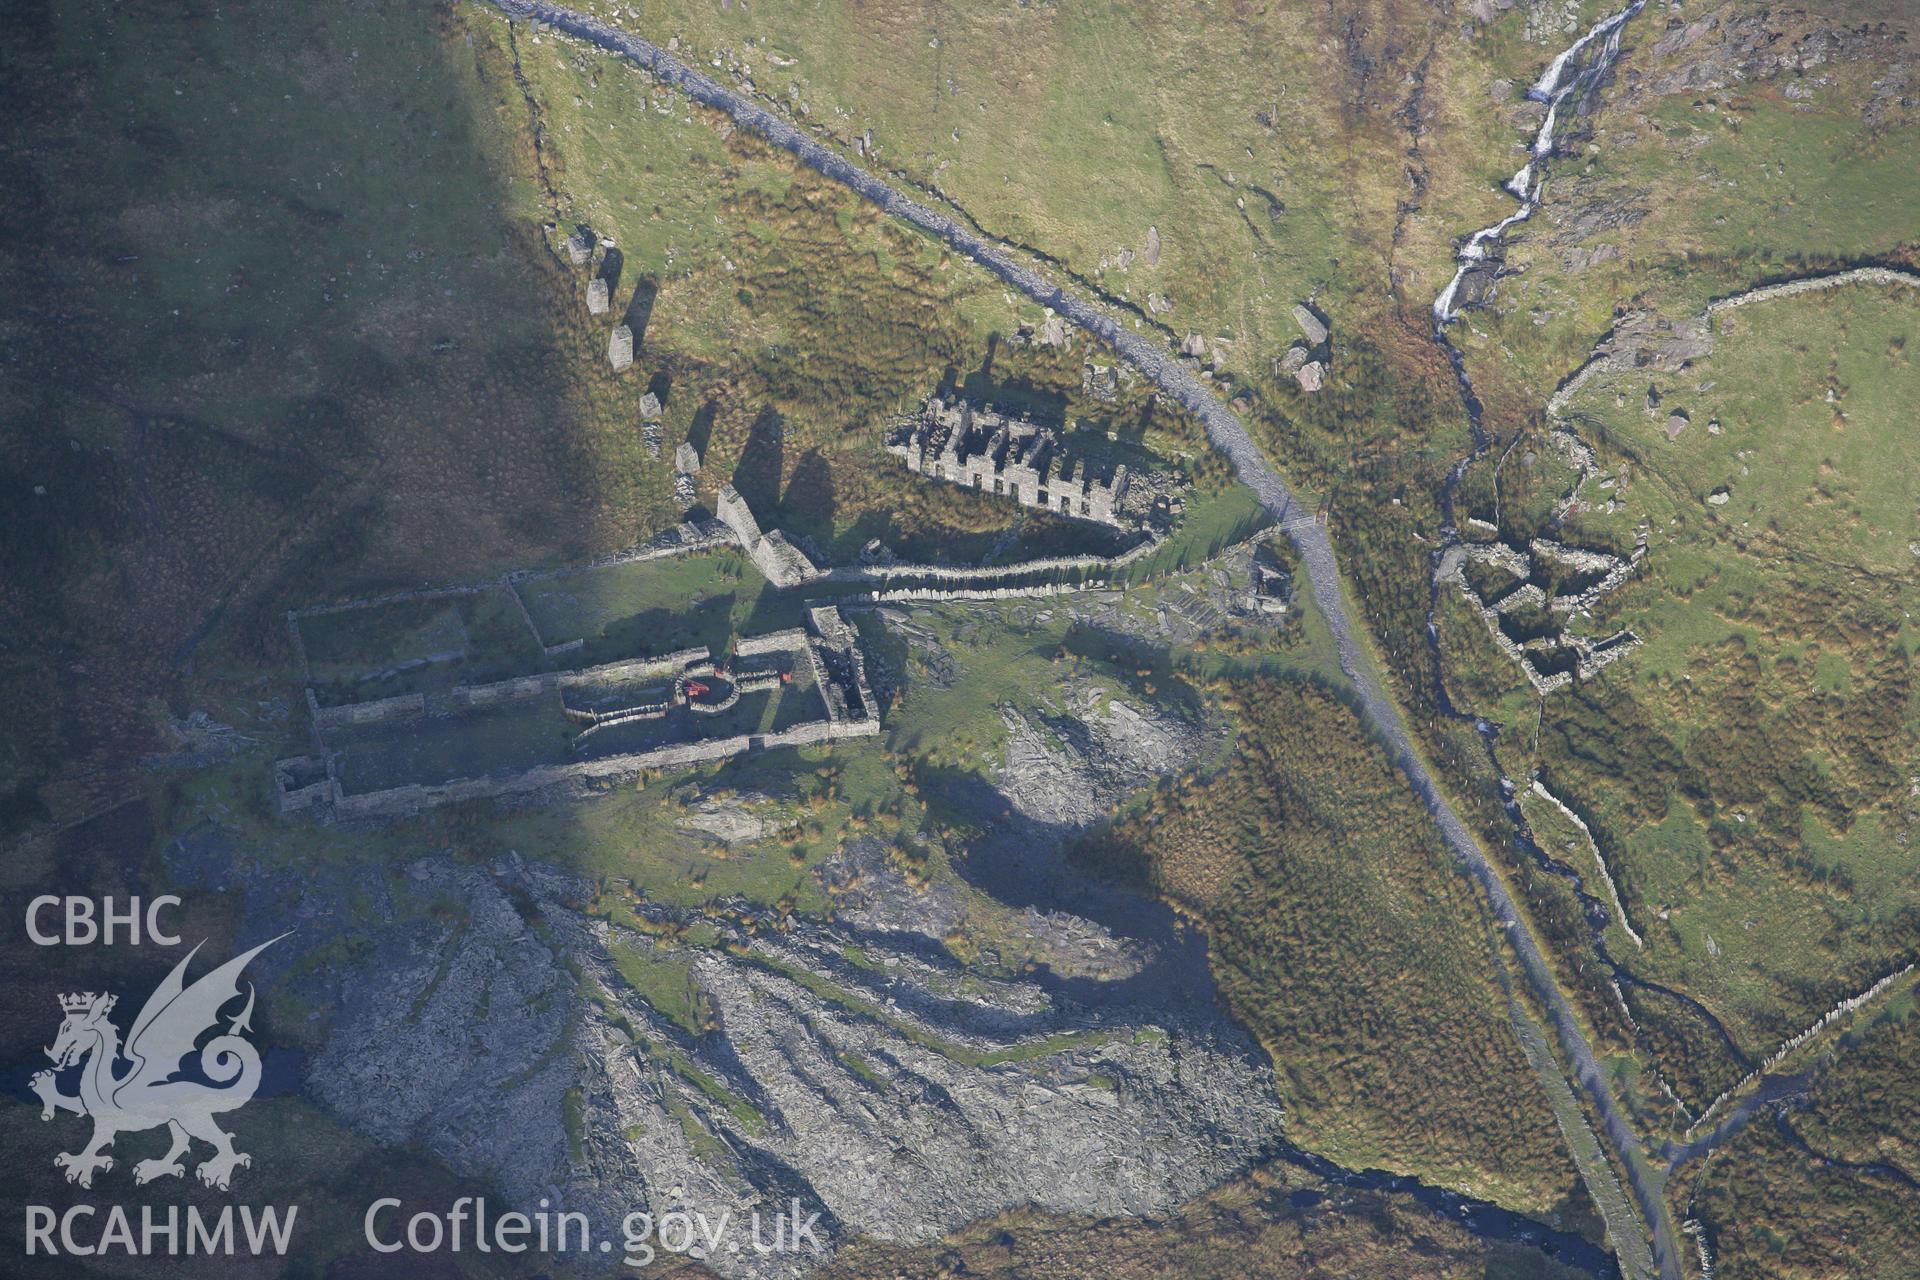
{"type": "Point", "coordinates": [294, 799]}
{"type": "Point", "coordinates": [499, 691]}
{"type": "Point", "coordinates": [397, 597]}
{"type": "Point", "coordinates": [408, 706]}
{"type": "Point", "coordinates": [402, 706]}
{"type": "Point", "coordinates": [773, 642]}
{"type": "Point", "coordinates": [1010, 458]}
{"type": "Point", "coordinates": [777, 559]}
{"type": "Point", "coordinates": [975, 574]}
{"type": "Point", "coordinates": [737, 515]}
{"type": "Point", "coordinates": [396, 802]}
{"type": "Point", "coordinates": [679, 662]}
{"type": "Point", "coordinates": [936, 594]}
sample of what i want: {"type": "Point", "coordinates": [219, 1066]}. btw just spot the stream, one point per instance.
{"type": "Point", "coordinates": [1772, 1089]}
{"type": "Point", "coordinates": [1566, 87]}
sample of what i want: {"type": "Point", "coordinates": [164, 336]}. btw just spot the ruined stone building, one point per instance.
{"type": "Point", "coordinates": [1527, 622]}
{"type": "Point", "coordinates": [778, 560]}
{"type": "Point", "coordinates": [684, 693]}
{"type": "Point", "coordinates": [985, 450]}
{"type": "Point", "coordinates": [580, 243]}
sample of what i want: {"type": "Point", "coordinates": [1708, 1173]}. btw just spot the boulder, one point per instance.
{"type": "Point", "coordinates": [1645, 340]}
{"type": "Point", "coordinates": [1310, 323]}
{"type": "Point", "coordinates": [1311, 375]}
{"type": "Point", "coordinates": [620, 347]}
{"type": "Point", "coordinates": [650, 406]}
{"type": "Point", "coordinates": [597, 296]}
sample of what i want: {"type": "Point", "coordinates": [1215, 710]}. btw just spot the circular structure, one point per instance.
{"type": "Point", "coordinates": [708, 695]}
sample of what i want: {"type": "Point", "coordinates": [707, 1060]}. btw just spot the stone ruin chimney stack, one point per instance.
{"type": "Point", "coordinates": [580, 246]}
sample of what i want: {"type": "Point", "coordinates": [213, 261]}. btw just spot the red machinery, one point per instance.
{"type": "Point", "coordinates": [698, 688]}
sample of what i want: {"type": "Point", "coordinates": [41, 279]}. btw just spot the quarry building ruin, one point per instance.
{"type": "Point", "coordinates": [622, 718]}
{"type": "Point", "coordinates": [1509, 598]}
{"type": "Point", "coordinates": [988, 451]}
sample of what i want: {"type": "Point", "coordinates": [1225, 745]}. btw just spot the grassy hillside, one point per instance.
{"type": "Point", "coordinates": [1343, 936]}
{"type": "Point", "coordinates": [1277, 151]}
{"type": "Point", "coordinates": [1739, 143]}
{"type": "Point", "coordinates": [1746, 771]}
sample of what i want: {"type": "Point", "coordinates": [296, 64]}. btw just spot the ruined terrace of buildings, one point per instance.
{"type": "Point", "coordinates": [985, 450]}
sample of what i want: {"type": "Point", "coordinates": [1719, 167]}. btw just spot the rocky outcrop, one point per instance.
{"type": "Point", "coordinates": [1646, 340]}
{"type": "Point", "coordinates": [477, 1010]}
{"type": "Point", "coordinates": [1728, 46]}
{"type": "Point", "coordinates": [1073, 768]}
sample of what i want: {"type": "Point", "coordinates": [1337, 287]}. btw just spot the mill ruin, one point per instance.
{"type": "Point", "coordinates": [1528, 621]}
{"type": "Point", "coordinates": [664, 712]}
